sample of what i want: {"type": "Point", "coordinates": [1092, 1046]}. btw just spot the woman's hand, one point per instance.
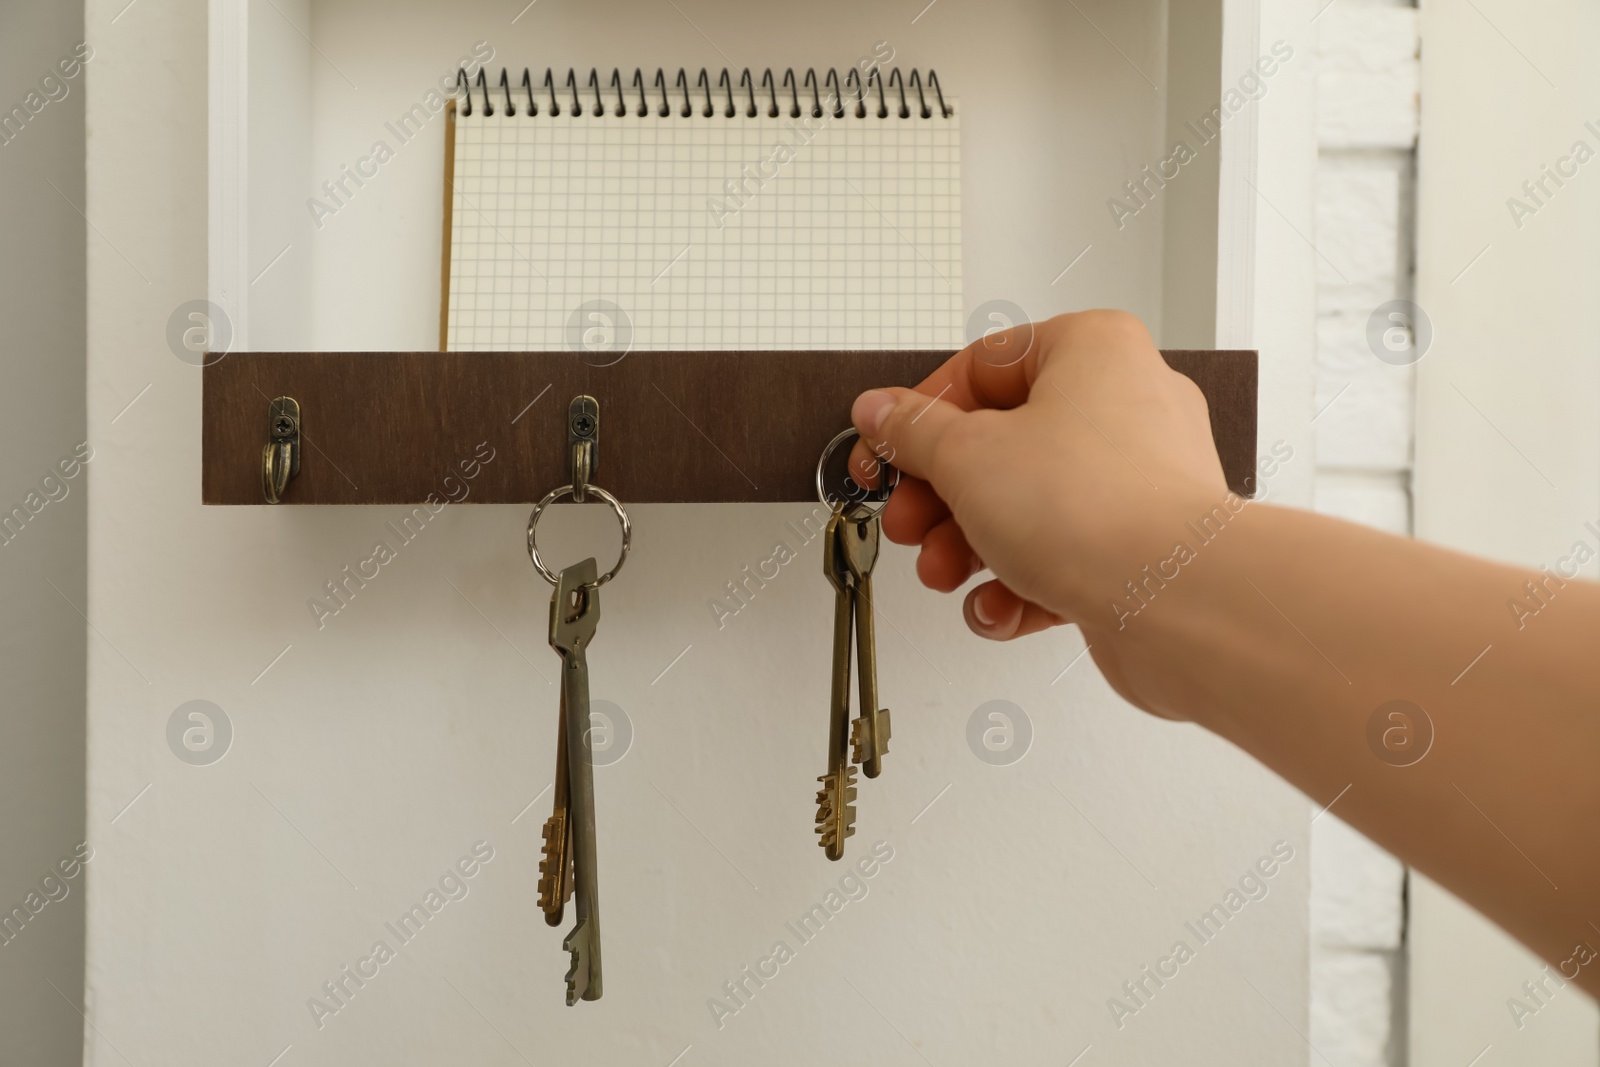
{"type": "Point", "coordinates": [1063, 456]}
{"type": "Point", "coordinates": [1068, 459]}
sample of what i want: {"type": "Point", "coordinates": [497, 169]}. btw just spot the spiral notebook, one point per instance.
{"type": "Point", "coordinates": [724, 211]}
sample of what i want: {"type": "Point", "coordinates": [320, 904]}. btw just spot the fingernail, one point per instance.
{"type": "Point", "coordinates": [870, 409]}
{"type": "Point", "coordinates": [978, 613]}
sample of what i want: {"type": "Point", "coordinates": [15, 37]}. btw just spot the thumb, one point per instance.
{"type": "Point", "coordinates": [903, 428]}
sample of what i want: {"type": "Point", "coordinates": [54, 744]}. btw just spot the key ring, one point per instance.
{"type": "Point", "coordinates": [883, 490]}
{"type": "Point", "coordinates": [555, 494]}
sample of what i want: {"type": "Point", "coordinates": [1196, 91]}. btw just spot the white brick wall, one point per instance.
{"type": "Point", "coordinates": [1367, 128]}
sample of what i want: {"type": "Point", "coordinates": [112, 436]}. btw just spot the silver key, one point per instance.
{"type": "Point", "coordinates": [574, 614]}
{"type": "Point", "coordinates": [859, 534]}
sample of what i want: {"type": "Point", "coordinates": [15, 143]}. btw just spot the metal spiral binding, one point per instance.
{"type": "Point", "coordinates": [720, 97]}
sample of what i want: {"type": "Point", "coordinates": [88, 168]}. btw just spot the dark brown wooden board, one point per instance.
{"type": "Point", "coordinates": [390, 427]}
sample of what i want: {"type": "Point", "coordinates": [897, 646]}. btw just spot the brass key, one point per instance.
{"type": "Point", "coordinates": [555, 868]}
{"type": "Point", "coordinates": [859, 534]}
{"type": "Point", "coordinates": [574, 614]}
{"type": "Point", "coordinates": [836, 811]}
{"type": "Point", "coordinates": [570, 866]}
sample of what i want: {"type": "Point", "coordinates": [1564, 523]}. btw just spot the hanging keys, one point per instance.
{"type": "Point", "coordinates": [850, 551]}
{"type": "Point", "coordinates": [574, 614]}
{"type": "Point", "coordinates": [859, 533]}
{"type": "Point", "coordinates": [569, 868]}
{"type": "Point", "coordinates": [555, 869]}
{"type": "Point", "coordinates": [836, 810]}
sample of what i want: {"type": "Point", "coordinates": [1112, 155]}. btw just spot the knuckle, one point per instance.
{"type": "Point", "coordinates": [963, 441]}
{"type": "Point", "coordinates": [910, 413]}
{"type": "Point", "coordinates": [1191, 396]}
{"type": "Point", "coordinates": [1106, 322]}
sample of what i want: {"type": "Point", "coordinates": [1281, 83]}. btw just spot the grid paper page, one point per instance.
{"type": "Point", "coordinates": [609, 233]}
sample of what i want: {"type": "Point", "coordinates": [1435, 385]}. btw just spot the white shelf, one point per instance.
{"type": "Point", "coordinates": [1058, 113]}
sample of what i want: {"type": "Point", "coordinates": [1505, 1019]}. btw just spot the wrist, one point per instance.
{"type": "Point", "coordinates": [1154, 552]}
{"type": "Point", "coordinates": [1174, 608]}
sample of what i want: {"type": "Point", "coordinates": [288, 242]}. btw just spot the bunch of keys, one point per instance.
{"type": "Point", "coordinates": [849, 552]}
{"type": "Point", "coordinates": [569, 867]}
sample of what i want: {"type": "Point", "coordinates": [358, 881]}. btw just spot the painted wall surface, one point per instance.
{"type": "Point", "coordinates": [1508, 436]}
{"type": "Point", "coordinates": [1019, 883]}
{"type": "Point", "coordinates": [43, 524]}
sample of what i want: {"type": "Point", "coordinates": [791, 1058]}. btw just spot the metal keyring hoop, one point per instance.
{"type": "Point", "coordinates": [565, 490]}
{"type": "Point", "coordinates": [840, 438]}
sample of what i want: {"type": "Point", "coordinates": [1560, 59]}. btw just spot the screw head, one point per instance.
{"type": "Point", "coordinates": [283, 426]}
{"type": "Point", "coordinates": [583, 425]}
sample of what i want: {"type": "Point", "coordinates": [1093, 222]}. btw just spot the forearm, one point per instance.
{"type": "Point", "coordinates": [1084, 476]}
{"type": "Point", "coordinates": [1287, 632]}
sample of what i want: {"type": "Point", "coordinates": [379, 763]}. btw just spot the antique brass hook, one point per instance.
{"type": "Point", "coordinates": [583, 443]}
{"type": "Point", "coordinates": [280, 457]}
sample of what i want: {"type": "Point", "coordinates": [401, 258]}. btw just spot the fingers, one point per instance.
{"type": "Point", "coordinates": [999, 369]}
{"type": "Point", "coordinates": [995, 371]}
{"type": "Point", "coordinates": [946, 560]}
{"type": "Point", "coordinates": [913, 509]}
{"type": "Point", "coordinates": [865, 465]}
{"type": "Point", "coordinates": [905, 427]}
{"type": "Point", "coordinates": [995, 612]}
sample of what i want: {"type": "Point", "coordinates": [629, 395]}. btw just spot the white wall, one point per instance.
{"type": "Point", "coordinates": [369, 755]}
{"type": "Point", "coordinates": [1364, 422]}
{"type": "Point", "coordinates": [1508, 443]}
{"type": "Point", "coordinates": [277, 252]}
{"type": "Point", "coordinates": [42, 581]}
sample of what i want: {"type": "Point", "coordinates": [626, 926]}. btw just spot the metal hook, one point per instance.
{"type": "Point", "coordinates": [583, 443]}
{"type": "Point", "coordinates": [280, 457]}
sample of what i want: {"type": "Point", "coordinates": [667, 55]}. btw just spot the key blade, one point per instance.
{"type": "Point", "coordinates": [836, 810]}
{"type": "Point", "coordinates": [580, 943]}
{"type": "Point", "coordinates": [555, 870]}
{"type": "Point", "coordinates": [859, 539]}
{"type": "Point", "coordinates": [555, 864]}
{"type": "Point", "coordinates": [869, 740]}
{"type": "Point", "coordinates": [575, 607]}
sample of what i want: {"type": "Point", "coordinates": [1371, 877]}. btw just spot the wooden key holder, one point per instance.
{"type": "Point", "coordinates": [689, 427]}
